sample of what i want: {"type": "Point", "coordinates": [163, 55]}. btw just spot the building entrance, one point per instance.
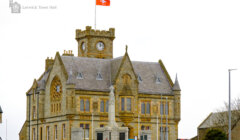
{"type": "Point", "coordinates": [99, 136]}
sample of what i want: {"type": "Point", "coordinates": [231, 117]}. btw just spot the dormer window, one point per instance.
{"type": "Point", "coordinates": [79, 75]}
{"type": "Point", "coordinates": [158, 81]}
{"type": "Point", "coordinates": [99, 76]}
{"type": "Point", "coordinates": [139, 78]}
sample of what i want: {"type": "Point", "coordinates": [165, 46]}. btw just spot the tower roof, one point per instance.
{"type": "Point", "coordinates": [1, 110]}
{"type": "Point", "coordinates": [176, 85]}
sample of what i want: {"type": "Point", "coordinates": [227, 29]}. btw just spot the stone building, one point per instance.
{"type": "Point", "coordinates": [219, 120]}
{"type": "Point", "coordinates": [73, 92]}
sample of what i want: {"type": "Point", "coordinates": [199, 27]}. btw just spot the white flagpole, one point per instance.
{"type": "Point", "coordinates": [95, 20]}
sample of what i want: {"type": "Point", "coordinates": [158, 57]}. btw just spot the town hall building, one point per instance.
{"type": "Point", "coordinates": [73, 92]}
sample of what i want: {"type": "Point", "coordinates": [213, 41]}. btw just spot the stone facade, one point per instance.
{"type": "Point", "coordinates": [72, 95]}
{"type": "Point", "coordinates": [210, 123]}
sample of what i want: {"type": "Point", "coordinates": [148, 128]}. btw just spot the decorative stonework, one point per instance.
{"type": "Point", "coordinates": [56, 89]}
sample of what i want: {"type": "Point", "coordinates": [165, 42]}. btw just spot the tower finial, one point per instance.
{"type": "Point", "coordinates": [126, 48]}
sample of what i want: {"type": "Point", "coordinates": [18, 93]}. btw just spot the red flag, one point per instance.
{"type": "Point", "coordinates": [103, 2]}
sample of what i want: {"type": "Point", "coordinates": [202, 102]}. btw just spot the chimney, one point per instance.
{"type": "Point", "coordinates": [49, 63]}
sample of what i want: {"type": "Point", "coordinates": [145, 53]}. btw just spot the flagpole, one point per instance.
{"type": "Point", "coordinates": [95, 20]}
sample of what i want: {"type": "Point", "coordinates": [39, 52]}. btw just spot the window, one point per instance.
{"type": "Point", "coordinates": [63, 131]}
{"type": "Point", "coordinates": [33, 134]}
{"type": "Point", "coordinates": [34, 112]}
{"type": "Point", "coordinates": [143, 127]}
{"type": "Point", "coordinates": [87, 108]}
{"type": "Point", "coordinates": [139, 78]}
{"type": "Point", "coordinates": [145, 107]}
{"type": "Point", "coordinates": [85, 128]}
{"type": "Point", "coordinates": [81, 105]}
{"type": "Point", "coordinates": [55, 132]}
{"type": "Point", "coordinates": [164, 133]}
{"type": "Point", "coordinates": [126, 104]}
{"type": "Point", "coordinates": [40, 133]}
{"type": "Point", "coordinates": [79, 75]}
{"type": "Point", "coordinates": [158, 81]}
{"type": "Point", "coordinates": [104, 105]}
{"type": "Point", "coordinates": [85, 105]}
{"type": "Point", "coordinates": [107, 106]}
{"type": "Point", "coordinates": [48, 133]}
{"type": "Point", "coordinates": [99, 76]}
{"type": "Point", "coordinates": [164, 108]}
{"type": "Point", "coordinates": [122, 104]}
{"type": "Point", "coordinates": [148, 108]}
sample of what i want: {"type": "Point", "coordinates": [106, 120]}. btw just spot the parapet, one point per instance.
{"type": "Point", "coordinates": [98, 33]}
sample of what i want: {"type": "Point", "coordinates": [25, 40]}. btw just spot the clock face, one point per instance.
{"type": "Point", "coordinates": [100, 46]}
{"type": "Point", "coordinates": [56, 89]}
{"type": "Point", "coordinates": [83, 46]}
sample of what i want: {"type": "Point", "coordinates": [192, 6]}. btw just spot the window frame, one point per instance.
{"type": "Point", "coordinates": [124, 98]}
{"type": "Point", "coordinates": [146, 103]}
{"type": "Point", "coordinates": [85, 100]}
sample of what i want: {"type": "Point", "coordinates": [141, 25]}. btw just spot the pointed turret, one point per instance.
{"type": "Point", "coordinates": [1, 110]}
{"type": "Point", "coordinates": [176, 85]}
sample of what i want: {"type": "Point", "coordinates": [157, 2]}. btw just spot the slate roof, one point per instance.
{"type": "Point", "coordinates": [108, 68]}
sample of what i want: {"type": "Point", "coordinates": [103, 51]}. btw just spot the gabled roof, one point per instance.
{"type": "Point", "coordinates": [109, 68]}
{"type": "Point", "coordinates": [219, 119]}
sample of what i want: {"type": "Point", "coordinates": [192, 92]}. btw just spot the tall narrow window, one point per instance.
{"type": "Point", "coordinates": [161, 133]}
{"type": "Point", "coordinates": [63, 131]}
{"type": "Point", "coordinates": [87, 105]}
{"type": "Point", "coordinates": [166, 109]}
{"type": "Point", "coordinates": [33, 134]}
{"type": "Point", "coordinates": [122, 104]}
{"type": "Point", "coordinates": [40, 133]}
{"type": "Point", "coordinates": [86, 131]}
{"type": "Point", "coordinates": [143, 108]}
{"type": "Point", "coordinates": [102, 106]}
{"type": "Point", "coordinates": [162, 109]}
{"type": "Point", "coordinates": [129, 104]}
{"type": "Point", "coordinates": [166, 133]}
{"type": "Point", "coordinates": [81, 105]}
{"type": "Point", "coordinates": [48, 134]}
{"type": "Point", "coordinates": [148, 108]}
{"type": "Point", "coordinates": [107, 106]}
{"type": "Point", "coordinates": [34, 112]}
{"type": "Point", "coordinates": [55, 132]}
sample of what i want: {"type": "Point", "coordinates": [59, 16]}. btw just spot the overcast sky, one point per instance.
{"type": "Point", "coordinates": [197, 39]}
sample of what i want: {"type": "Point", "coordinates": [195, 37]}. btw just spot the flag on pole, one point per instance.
{"type": "Point", "coordinates": [103, 2]}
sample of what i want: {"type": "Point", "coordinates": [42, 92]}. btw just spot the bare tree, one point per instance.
{"type": "Point", "coordinates": [220, 118]}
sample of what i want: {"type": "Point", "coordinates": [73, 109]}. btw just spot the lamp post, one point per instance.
{"type": "Point", "coordinates": [229, 105]}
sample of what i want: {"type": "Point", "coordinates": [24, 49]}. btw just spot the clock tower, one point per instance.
{"type": "Point", "coordinates": [95, 43]}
